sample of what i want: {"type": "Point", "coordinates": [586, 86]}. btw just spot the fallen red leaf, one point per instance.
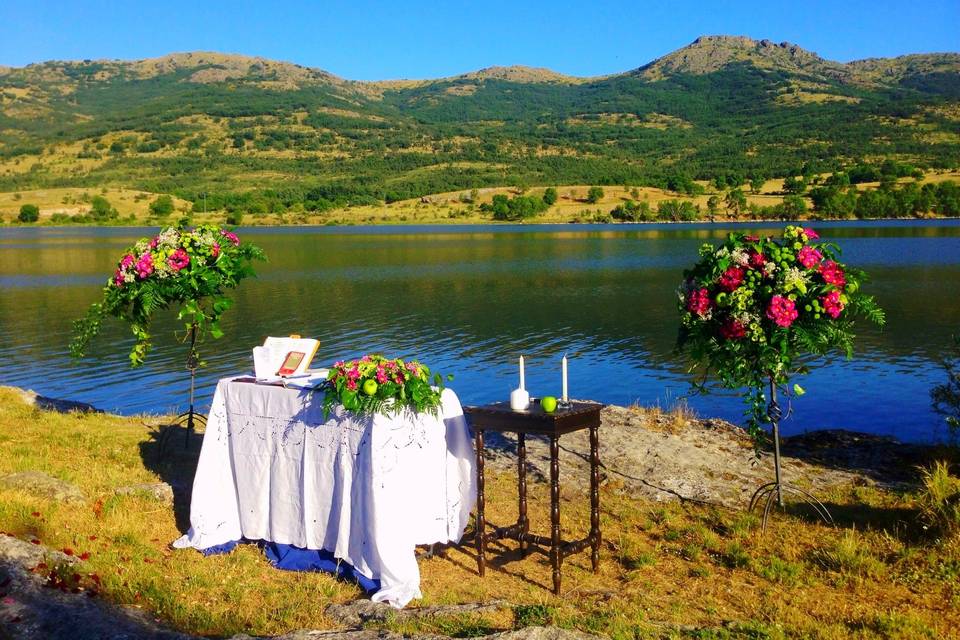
{"type": "Point", "coordinates": [68, 551]}
{"type": "Point", "coordinates": [35, 514]}
{"type": "Point", "coordinates": [85, 555]}
{"type": "Point", "coordinates": [92, 538]}
{"type": "Point", "coordinates": [35, 541]}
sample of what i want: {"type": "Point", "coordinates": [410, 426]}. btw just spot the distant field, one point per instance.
{"type": "Point", "coordinates": [453, 207]}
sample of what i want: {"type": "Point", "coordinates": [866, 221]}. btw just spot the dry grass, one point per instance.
{"type": "Point", "coordinates": [666, 569]}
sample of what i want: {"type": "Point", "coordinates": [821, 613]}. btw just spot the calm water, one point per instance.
{"type": "Point", "coordinates": [469, 300]}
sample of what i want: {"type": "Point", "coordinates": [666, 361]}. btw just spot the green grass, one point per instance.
{"type": "Point", "coordinates": [667, 570]}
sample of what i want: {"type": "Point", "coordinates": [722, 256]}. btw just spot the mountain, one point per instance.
{"type": "Point", "coordinates": [231, 125]}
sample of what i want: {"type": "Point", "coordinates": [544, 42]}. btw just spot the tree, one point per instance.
{"type": "Point", "coordinates": [736, 201]}
{"type": "Point", "coordinates": [162, 206]}
{"type": "Point", "coordinates": [29, 213]}
{"type": "Point", "coordinates": [594, 194]}
{"type": "Point", "coordinates": [713, 206]}
{"type": "Point", "coordinates": [756, 184]}
{"type": "Point", "coordinates": [100, 209]}
{"type": "Point", "coordinates": [795, 186]}
{"type": "Point", "coordinates": [792, 208]}
{"type": "Point", "coordinates": [550, 196]}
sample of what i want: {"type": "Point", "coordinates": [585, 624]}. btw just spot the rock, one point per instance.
{"type": "Point", "coordinates": [160, 491]}
{"type": "Point", "coordinates": [56, 404]}
{"type": "Point", "coordinates": [666, 457]}
{"type": "Point", "coordinates": [527, 633]}
{"type": "Point", "coordinates": [542, 633]}
{"type": "Point", "coordinates": [28, 555]}
{"type": "Point", "coordinates": [43, 485]}
{"type": "Point", "coordinates": [359, 612]}
{"type": "Point", "coordinates": [30, 611]}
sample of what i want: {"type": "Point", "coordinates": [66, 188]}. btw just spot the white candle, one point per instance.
{"type": "Point", "coordinates": [564, 366]}
{"type": "Point", "coordinates": [522, 385]}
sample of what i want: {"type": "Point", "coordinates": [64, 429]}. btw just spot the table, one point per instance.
{"type": "Point", "coordinates": [368, 490]}
{"type": "Point", "coordinates": [500, 417]}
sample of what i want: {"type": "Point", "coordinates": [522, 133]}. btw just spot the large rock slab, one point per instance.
{"type": "Point", "coordinates": [706, 461]}
{"type": "Point", "coordinates": [43, 485]}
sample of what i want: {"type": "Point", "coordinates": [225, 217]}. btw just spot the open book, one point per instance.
{"type": "Point", "coordinates": [283, 357]}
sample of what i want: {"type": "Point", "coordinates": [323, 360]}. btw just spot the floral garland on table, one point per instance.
{"type": "Point", "coordinates": [754, 309]}
{"type": "Point", "coordinates": [186, 267]}
{"type": "Point", "coordinates": [375, 384]}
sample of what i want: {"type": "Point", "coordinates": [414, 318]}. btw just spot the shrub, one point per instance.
{"type": "Point", "coordinates": [29, 213]}
{"type": "Point", "coordinates": [161, 207]}
{"type": "Point", "coordinates": [594, 194]}
{"type": "Point", "coordinates": [940, 498]}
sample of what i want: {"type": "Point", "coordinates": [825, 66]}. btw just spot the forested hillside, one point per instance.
{"type": "Point", "coordinates": [261, 135]}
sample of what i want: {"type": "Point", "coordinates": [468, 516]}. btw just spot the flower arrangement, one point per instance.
{"type": "Point", "coordinates": [753, 310]}
{"type": "Point", "coordinates": [375, 384]}
{"type": "Point", "coordinates": [186, 267]}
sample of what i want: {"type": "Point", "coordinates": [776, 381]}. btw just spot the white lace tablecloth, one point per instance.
{"type": "Point", "coordinates": [367, 490]}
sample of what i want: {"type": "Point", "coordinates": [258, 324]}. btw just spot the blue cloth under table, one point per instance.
{"type": "Point", "coordinates": [353, 496]}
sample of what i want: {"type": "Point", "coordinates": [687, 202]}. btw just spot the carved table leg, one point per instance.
{"type": "Point", "coordinates": [595, 497]}
{"type": "Point", "coordinates": [555, 511]}
{"type": "Point", "coordinates": [522, 491]}
{"type": "Point", "coordinates": [481, 523]}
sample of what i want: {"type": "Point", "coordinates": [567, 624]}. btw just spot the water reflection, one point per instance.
{"type": "Point", "coordinates": [469, 299]}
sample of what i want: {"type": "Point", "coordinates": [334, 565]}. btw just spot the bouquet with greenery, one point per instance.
{"type": "Point", "coordinates": [188, 268]}
{"type": "Point", "coordinates": [754, 310]}
{"type": "Point", "coordinates": [375, 384]}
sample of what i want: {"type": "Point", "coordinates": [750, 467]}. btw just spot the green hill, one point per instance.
{"type": "Point", "coordinates": [268, 135]}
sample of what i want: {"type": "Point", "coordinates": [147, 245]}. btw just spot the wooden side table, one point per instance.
{"type": "Point", "coordinates": [500, 417]}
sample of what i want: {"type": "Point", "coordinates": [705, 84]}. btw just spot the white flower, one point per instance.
{"type": "Point", "coordinates": [740, 256]}
{"type": "Point", "coordinates": [795, 279]}
{"type": "Point", "coordinates": [722, 252]}
{"type": "Point", "coordinates": [769, 268]}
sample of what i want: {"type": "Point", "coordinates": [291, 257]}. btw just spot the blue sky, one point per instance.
{"type": "Point", "coordinates": [369, 40]}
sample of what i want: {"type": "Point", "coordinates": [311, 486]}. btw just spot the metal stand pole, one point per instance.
{"type": "Point", "coordinates": [775, 490]}
{"type": "Point", "coordinates": [188, 418]}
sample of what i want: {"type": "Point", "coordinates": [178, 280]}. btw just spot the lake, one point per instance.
{"type": "Point", "coordinates": [469, 300]}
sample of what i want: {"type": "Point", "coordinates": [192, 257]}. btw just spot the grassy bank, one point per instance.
{"type": "Point", "coordinates": [667, 569]}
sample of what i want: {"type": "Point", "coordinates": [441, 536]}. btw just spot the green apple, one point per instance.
{"type": "Point", "coordinates": [548, 404]}
{"type": "Point", "coordinates": [370, 387]}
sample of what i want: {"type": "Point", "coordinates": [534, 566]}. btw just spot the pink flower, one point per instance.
{"type": "Point", "coordinates": [154, 242]}
{"type": "Point", "coordinates": [381, 375]}
{"type": "Point", "coordinates": [338, 363]}
{"type": "Point", "coordinates": [353, 374]}
{"type": "Point", "coordinates": [399, 377]}
{"type": "Point", "coordinates": [144, 266]}
{"type": "Point", "coordinates": [118, 278]}
{"type": "Point", "coordinates": [231, 236]}
{"type": "Point", "coordinates": [365, 359]}
{"type": "Point", "coordinates": [751, 238]}
{"type": "Point", "coordinates": [732, 330]}
{"type": "Point", "coordinates": [352, 385]}
{"type": "Point", "coordinates": [811, 234]}
{"type": "Point", "coordinates": [731, 278]}
{"type": "Point", "coordinates": [832, 305]}
{"type": "Point", "coordinates": [833, 273]}
{"type": "Point", "coordinates": [698, 302]}
{"type": "Point", "coordinates": [215, 249]}
{"type": "Point", "coordinates": [178, 260]}
{"type": "Point", "coordinates": [808, 256]}
{"type": "Point", "coordinates": [412, 368]}
{"type": "Point", "coordinates": [126, 261]}
{"type": "Point", "coordinates": [782, 311]}
{"type": "Point", "coordinates": [757, 259]}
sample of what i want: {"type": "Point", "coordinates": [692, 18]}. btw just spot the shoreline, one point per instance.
{"type": "Point", "coordinates": [496, 223]}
